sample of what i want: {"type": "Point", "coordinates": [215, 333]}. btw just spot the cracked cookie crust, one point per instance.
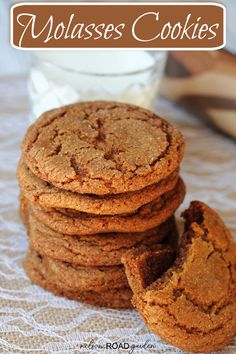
{"type": "Point", "coordinates": [119, 298]}
{"type": "Point", "coordinates": [193, 304]}
{"type": "Point", "coordinates": [73, 277]}
{"type": "Point", "coordinates": [103, 249]}
{"type": "Point", "coordinates": [102, 148]}
{"type": "Point", "coordinates": [147, 217]}
{"type": "Point", "coordinates": [46, 195]}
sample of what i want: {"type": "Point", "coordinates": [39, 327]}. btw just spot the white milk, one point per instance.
{"type": "Point", "coordinates": [62, 77]}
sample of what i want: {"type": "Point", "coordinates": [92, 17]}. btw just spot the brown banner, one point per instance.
{"type": "Point", "coordinates": [139, 25]}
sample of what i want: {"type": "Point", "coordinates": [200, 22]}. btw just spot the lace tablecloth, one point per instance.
{"type": "Point", "coordinates": [33, 320]}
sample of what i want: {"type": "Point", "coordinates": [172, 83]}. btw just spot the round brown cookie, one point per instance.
{"type": "Point", "coordinates": [119, 298]}
{"type": "Point", "coordinates": [193, 304]}
{"type": "Point", "coordinates": [46, 195]}
{"type": "Point", "coordinates": [73, 277]}
{"type": "Point", "coordinates": [102, 148]}
{"type": "Point", "coordinates": [23, 211]}
{"type": "Point", "coordinates": [77, 223]}
{"type": "Point", "coordinates": [103, 249]}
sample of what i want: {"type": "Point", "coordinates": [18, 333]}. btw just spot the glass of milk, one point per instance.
{"type": "Point", "coordinates": [58, 78]}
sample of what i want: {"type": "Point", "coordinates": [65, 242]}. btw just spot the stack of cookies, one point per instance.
{"type": "Point", "coordinates": [97, 179]}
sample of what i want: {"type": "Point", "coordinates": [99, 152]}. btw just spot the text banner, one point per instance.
{"type": "Point", "coordinates": [102, 25]}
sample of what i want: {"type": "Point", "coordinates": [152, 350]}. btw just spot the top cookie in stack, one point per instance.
{"type": "Point", "coordinates": [101, 167]}
{"type": "Point", "coordinates": [102, 148]}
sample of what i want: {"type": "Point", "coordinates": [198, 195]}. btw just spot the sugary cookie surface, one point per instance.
{"type": "Point", "coordinates": [102, 148]}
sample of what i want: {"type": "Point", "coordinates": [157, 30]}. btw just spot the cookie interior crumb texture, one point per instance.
{"type": "Point", "coordinates": [192, 305]}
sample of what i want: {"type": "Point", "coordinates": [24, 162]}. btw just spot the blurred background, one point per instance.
{"type": "Point", "coordinates": [204, 82]}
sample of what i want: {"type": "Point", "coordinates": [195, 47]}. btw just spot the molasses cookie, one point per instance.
{"type": "Point", "coordinates": [24, 211]}
{"type": "Point", "coordinates": [73, 277]}
{"type": "Point", "coordinates": [149, 216]}
{"type": "Point", "coordinates": [102, 148]}
{"type": "Point", "coordinates": [192, 305]}
{"type": "Point", "coordinates": [94, 250]}
{"type": "Point", "coordinates": [119, 298]}
{"type": "Point", "coordinates": [46, 195]}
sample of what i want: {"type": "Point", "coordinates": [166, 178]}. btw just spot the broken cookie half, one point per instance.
{"type": "Point", "coordinates": [189, 299]}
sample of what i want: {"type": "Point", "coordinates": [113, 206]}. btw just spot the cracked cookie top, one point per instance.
{"type": "Point", "coordinates": [102, 148]}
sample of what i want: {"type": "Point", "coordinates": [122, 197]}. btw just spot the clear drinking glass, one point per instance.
{"type": "Point", "coordinates": [58, 78]}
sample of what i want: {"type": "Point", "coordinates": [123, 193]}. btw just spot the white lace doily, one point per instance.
{"type": "Point", "coordinates": [33, 320]}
